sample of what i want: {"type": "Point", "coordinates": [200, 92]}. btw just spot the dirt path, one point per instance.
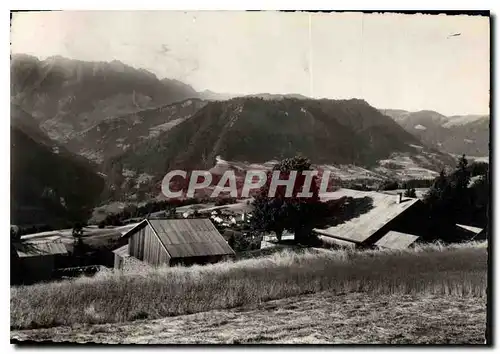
{"type": "Point", "coordinates": [319, 318]}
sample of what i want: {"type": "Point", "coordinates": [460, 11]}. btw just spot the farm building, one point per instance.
{"type": "Point", "coordinates": [37, 260]}
{"type": "Point", "coordinates": [372, 217]}
{"type": "Point", "coordinates": [173, 241]}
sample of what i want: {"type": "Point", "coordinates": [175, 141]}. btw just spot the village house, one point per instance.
{"type": "Point", "coordinates": [172, 242]}
{"type": "Point", "coordinates": [377, 220]}
{"type": "Point", "coordinates": [37, 260]}
{"type": "Point", "coordinates": [373, 219]}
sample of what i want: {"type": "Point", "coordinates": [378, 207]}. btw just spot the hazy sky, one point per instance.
{"type": "Point", "coordinates": [410, 62]}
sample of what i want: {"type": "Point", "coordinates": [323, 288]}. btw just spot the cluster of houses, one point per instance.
{"type": "Point", "coordinates": [389, 221]}
{"type": "Point", "coordinates": [228, 219]}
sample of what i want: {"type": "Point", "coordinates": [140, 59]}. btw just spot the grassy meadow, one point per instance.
{"type": "Point", "coordinates": [320, 318]}
{"type": "Point", "coordinates": [456, 271]}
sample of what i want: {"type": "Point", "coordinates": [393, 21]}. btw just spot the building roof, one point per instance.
{"type": "Point", "coordinates": [122, 251]}
{"type": "Point", "coordinates": [474, 229]}
{"type": "Point", "coordinates": [383, 209]}
{"type": "Point", "coordinates": [185, 238]}
{"type": "Point", "coordinates": [396, 240]}
{"type": "Point", "coordinates": [33, 249]}
{"type": "Point", "coordinates": [331, 241]}
{"type": "Point", "coordinates": [124, 230]}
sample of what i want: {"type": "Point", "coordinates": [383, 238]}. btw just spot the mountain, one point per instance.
{"type": "Point", "coordinates": [468, 134]}
{"type": "Point", "coordinates": [26, 123]}
{"type": "Point", "coordinates": [274, 96]}
{"type": "Point", "coordinates": [68, 96]}
{"type": "Point", "coordinates": [111, 137]}
{"type": "Point", "coordinates": [215, 96]}
{"type": "Point", "coordinates": [256, 130]}
{"type": "Point", "coordinates": [137, 127]}
{"type": "Point", "coordinates": [49, 185]}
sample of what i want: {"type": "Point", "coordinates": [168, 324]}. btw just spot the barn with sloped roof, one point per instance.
{"type": "Point", "coordinates": [377, 219]}
{"type": "Point", "coordinates": [37, 260]}
{"type": "Point", "coordinates": [174, 241]}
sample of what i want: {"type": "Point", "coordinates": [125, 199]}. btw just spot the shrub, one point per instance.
{"type": "Point", "coordinates": [389, 185]}
{"type": "Point", "coordinates": [410, 193]}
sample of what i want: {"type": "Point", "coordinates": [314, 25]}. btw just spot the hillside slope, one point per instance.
{"type": "Point", "coordinates": [68, 96]}
{"type": "Point", "coordinates": [323, 318]}
{"type": "Point", "coordinates": [113, 136]}
{"type": "Point", "coordinates": [257, 130]}
{"type": "Point", "coordinates": [458, 135]}
{"type": "Point", "coordinates": [49, 185]}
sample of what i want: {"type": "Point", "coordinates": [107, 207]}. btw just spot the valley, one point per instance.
{"type": "Point", "coordinates": [129, 128]}
{"type": "Point", "coordinates": [250, 177]}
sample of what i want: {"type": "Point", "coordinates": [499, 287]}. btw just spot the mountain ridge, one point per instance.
{"type": "Point", "coordinates": [68, 96]}
{"type": "Point", "coordinates": [255, 130]}
{"type": "Point", "coordinates": [49, 185]}
{"type": "Point", "coordinates": [458, 134]}
{"type": "Point", "coordinates": [135, 126]}
{"type": "Point", "coordinates": [111, 137]}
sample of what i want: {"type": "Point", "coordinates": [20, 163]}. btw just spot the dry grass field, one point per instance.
{"type": "Point", "coordinates": [437, 272]}
{"type": "Point", "coordinates": [322, 318]}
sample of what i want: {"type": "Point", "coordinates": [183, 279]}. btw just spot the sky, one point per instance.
{"type": "Point", "coordinates": [410, 62]}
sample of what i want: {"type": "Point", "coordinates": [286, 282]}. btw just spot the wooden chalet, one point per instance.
{"type": "Point", "coordinates": [382, 215]}
{"type": "Point", "coordinates": [37, 260]}
{"type": "Point", "coordinates": [172, 242]}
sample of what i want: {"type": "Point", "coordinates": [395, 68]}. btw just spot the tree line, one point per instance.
{"type": "Point", "coordinates": [461, 196]}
